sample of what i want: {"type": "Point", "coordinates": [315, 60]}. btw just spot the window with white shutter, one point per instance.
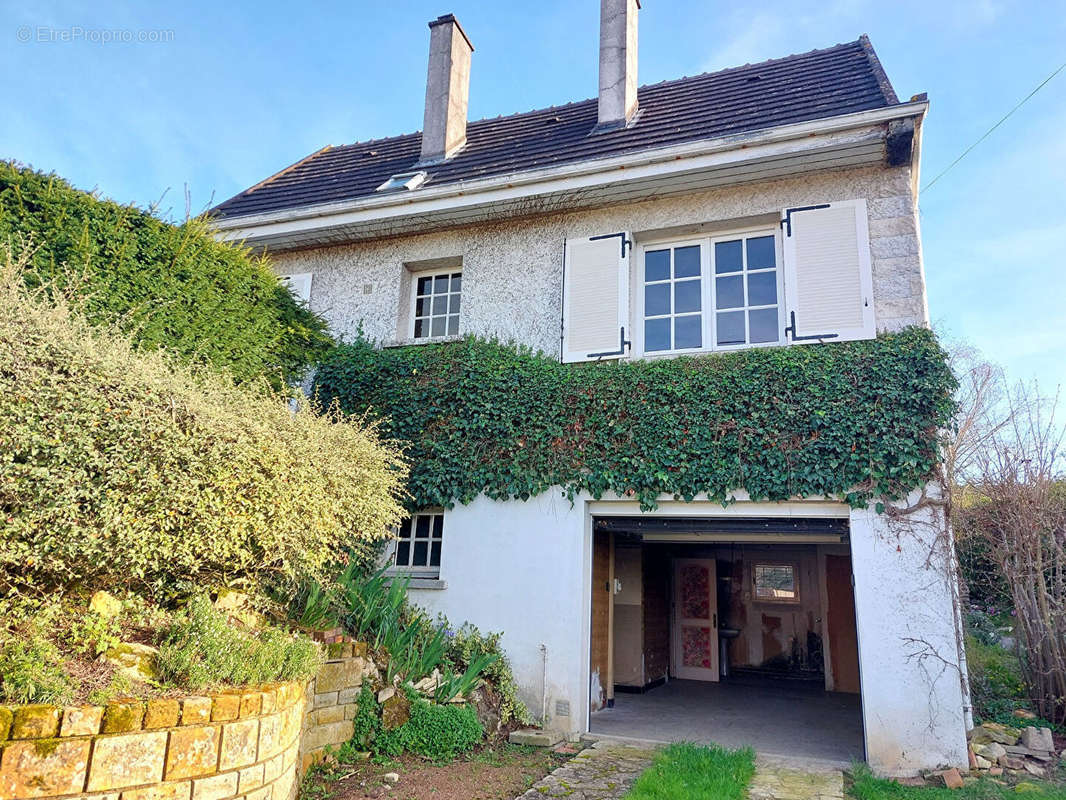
{"type": "Point", "coordinates": [299, 285]}
{"type": "Point", "coordinates": [828, 280]}
{"type": "Point", "coordinates": [596, 297]}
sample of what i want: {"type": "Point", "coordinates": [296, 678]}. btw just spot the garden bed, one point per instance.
{"type": "Point", "coordinates": [494, 772]}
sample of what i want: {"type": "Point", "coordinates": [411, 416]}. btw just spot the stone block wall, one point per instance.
{"type": "Point", "coordinates": [332, 699]}
{"type": "Point", "coordinates": [242, 744]}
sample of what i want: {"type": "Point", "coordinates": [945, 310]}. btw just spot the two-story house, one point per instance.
{"type": "Point", "coordinates": [769, 205]}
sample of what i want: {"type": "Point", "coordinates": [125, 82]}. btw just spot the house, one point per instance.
{"type": "Point", "coordinates": [772, 205]}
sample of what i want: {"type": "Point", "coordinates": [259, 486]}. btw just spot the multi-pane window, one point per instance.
{"type": "Point", "coordinates": [745, 291]}
{"type": "Point", "coordinates": [418, 543]}
{"type": "Point", "coordinates": [437, 300]}
{"type": "Point", "coordinates": [673, 299]}
{"type": "Point", "coordinates": [711, 293]}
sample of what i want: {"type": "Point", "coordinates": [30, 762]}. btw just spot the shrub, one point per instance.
{"type": "Point", "coordinates": [438, 732]}
{"type": "Point", "coordinates": [855, 420]}
{"type": "Point", "coordinates": [31, 671]}
{"type": "Point", "coordinates": [467, 645]}
{"type": "Point", "coordinates": [125, 468]}
{"type": "Point", "coordinates": [174, 286]}
{"type": "Point", "coordinates": [996, 685]}
{"type": "Point", "coordinates": [201, 649]}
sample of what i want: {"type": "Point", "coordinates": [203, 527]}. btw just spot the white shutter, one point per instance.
{"type": "Point", "coordinates": [299, 285]}
{"type": "Point", "coordinates": [828, 282]}
{"type": "Point", "coordinates": [596, 297]}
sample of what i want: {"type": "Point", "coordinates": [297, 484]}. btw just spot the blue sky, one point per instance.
{"type": "Point", "coordinates": [237, 91]}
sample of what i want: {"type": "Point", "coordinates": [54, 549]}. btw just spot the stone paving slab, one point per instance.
{"type": "Point", "coordinates": [604, 771]}
{"type": "Point", "coordinates": [788, 779]}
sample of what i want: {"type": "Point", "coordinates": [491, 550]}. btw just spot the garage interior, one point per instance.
{"type": "Point", "coordinates": [739, 631]}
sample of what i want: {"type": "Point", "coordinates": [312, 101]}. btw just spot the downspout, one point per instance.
{"type": "Point", "coordinates": [543, 684]}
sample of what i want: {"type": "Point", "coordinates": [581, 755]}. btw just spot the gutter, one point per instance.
{"type": "Point", "coordinates": [532, 182]}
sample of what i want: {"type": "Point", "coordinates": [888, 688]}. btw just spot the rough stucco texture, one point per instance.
{"type": "Point", "coordinates": [512, 271]}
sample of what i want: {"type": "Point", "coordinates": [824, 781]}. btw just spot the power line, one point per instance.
{"type": "Point", "coordinates": [987, 133]}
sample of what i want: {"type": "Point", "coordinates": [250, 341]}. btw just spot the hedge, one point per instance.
{"type": "Point", "coordinates": [851, 420]}
{"type": "Point", "coordinates": [169, 285]}
{"type": "Point", "coordinates": [124, 467]}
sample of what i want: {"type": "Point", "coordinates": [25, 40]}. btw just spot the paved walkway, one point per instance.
{"type": "Point", "coordinates": [604, 771]}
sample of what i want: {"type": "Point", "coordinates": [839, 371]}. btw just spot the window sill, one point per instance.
{"type": "Point", "coordinates": [412, 341]}
{"type": "Point", "coordinates": [417, 582]}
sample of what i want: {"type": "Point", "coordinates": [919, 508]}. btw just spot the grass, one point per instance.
{"type": "Point", "coordinates": [867, 787]}
{"type": "Point", "coordinates": [682, 771]}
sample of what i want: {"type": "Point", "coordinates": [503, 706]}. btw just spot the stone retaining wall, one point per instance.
{"type": "Point", "coordinates": [252, 744]}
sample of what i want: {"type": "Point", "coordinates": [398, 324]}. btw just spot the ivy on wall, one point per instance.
{"type": "Point", "coordinates": [852, 420]}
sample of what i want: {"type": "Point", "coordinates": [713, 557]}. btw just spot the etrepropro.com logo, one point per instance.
{"type": "Point", "coordinates": [49, 34]}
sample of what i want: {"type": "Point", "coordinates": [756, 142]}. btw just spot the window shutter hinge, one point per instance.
{"type": "Point", "coordinates": [786, 222]}
{"type": "Point", "coordinates": [623, 343]}
{"type": "Point", "coordinates": [791, 331]}
{"type": "Point", "coordinates": [625, 242]}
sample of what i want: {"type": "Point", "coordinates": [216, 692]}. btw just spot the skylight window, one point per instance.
{"type": "Point", "coordinates": [403, 180]}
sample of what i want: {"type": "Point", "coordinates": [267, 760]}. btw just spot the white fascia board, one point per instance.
{"type": "Point", "coordinates": [683, 158]}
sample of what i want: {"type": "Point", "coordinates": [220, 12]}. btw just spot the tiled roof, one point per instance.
{"type": "Point", "coordinates": [822, 83]}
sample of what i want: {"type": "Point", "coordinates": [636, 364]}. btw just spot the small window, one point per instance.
{"type": "Point", "coordinates": [438, 298]}
{"type": "Point", "coordinates": [776, 583]}
{"type": "Point", "coordinates": [418, 544]}
{"type": "Point", "coordinates": [673, 299]}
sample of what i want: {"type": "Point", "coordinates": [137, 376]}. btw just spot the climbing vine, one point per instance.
{"type": "Point", "coordinates": [853, 420]}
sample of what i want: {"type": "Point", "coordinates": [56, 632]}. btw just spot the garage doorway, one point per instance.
{"type": "Point", "coordinates": [736, 630]}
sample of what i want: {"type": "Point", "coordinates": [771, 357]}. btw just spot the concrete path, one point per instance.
{"type": "Point", "coordinates": [604, 771]}
{"type": "Point", "coordinates": [795, 779]}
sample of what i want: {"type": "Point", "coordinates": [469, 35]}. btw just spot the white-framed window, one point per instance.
{"type": "Point", "coordinates": [419, 540]}
{"type": "Point", "coordinates": [710, 293]}
{"type": "Point", "coordinates": [436, 302]}
{"type": "Point", "coordinates": [775, 583]}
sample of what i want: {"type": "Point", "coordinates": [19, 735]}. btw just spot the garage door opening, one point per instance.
{"type": "Point", "coordinates": [738, 631]}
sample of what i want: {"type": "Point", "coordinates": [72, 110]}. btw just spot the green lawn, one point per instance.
{"type": "Point", "coordinates": [683, 771]}
{"type": "Point", "coordinates": [867, 787]}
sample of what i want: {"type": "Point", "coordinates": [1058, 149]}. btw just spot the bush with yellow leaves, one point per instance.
{"type": "Point", "coordinates": [120, 467]}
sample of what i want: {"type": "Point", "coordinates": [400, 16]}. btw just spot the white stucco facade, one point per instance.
{"type": "Point", "coordinates": [512, 270]}
{"type": "Point", "coordinates": [524, 568]}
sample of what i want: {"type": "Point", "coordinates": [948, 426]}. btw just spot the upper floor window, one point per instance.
{"type": "Point", "coordinates": [418, 544]}
{"type": "Point", "coordinates": [711, 293]}
{"type": "Point", "coordinates": [437, 300]}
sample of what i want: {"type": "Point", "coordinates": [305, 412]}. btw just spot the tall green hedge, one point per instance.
{"type": "Point", "coordinates": [170, 285]}
{"type": "Point", "coordinates": [855, 420]}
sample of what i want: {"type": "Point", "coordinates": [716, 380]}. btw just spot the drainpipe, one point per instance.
{"type": "Point", "coordinates": [543, 684]}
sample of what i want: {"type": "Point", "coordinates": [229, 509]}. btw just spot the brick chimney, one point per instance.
{"type": "Point", "coordinates": [618, 63]}
{"type": "Point", "coordinates": [447, 90]}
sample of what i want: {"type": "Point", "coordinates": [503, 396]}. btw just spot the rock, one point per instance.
{"type": "Point", "coordinates": [486, 706]}
{"type": "Point", "coordinates": [386, 693]}
{"type": "Point", "coordinates": [912, 780]}
{"type": "Point", "coordinates": [972, 757]}
{"type": "Point", "coordinates": [135, 661]}
{"type": "Point", "coordinates": [1037, 738]}
{"type": "Point", "coordinates": [951, 778]}
{"type": "Point", "coordinates": [994, 732]}
{"type": "Point", "coordinates": [995, 772]}
{"type": "Point", "coordinates": [238, 606]}
{"type": "Point", "coordinates": [105, 604]}
{"type": "Point", "coordinates": [534, 738]}
{"type": "Point", "coordinates": [1022, 713]}
{"type": "Point", "coordinates": [980, 762]}
{"type": "Point", "coordinates": [1027, 786]}
{"type": "Point", "coordinates": [395, 711]}
{"type": "Point", "coordinates": [1012, 762]}
{"type": "Point", "coordinates": [1034, 769]}
{"type": "Point", "coordinates": [993, 751]}
{"type": "Point", "coordinates": [391, 777]}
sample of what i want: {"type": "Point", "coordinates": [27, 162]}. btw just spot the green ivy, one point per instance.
{"type": "Point", "coordinates": [172, 286]}
{"type": "Point", "coordinates": [852, 420]}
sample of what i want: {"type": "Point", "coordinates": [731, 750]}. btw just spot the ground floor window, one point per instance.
{"type": "Point", "coordinates": [419, 539]}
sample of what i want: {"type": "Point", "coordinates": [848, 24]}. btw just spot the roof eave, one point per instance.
{"type": "Point", "coordinates": [273, 226]}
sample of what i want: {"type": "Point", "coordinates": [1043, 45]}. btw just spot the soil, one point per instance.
{"type": "Point", "coordinates": [496, 772]}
